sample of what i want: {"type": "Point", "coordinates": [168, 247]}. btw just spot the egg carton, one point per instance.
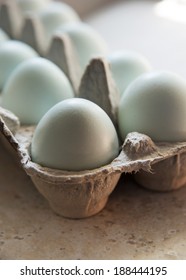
{"type": "Point", "coordinates": [29, 29]}
{"type": "Point", "coordinates": [61, 51]}
{"type": "Point", "coordinates": [85, 193]}
{"type": "Point", "coordinates": [156, 166]}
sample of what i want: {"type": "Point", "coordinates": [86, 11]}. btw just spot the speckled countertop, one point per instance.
{"type": "Point", "coordinates": [136, 223]}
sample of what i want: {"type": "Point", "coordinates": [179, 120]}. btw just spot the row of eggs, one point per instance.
{"type": "Point", "coordinates": [76, 134]}
{"type": "Point", "coordinates": [57, 18]}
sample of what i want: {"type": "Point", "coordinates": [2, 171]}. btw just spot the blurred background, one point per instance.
{"type": "Point", "coordinates": [85, 7]}
{"type": "Point", "coordinates": [154, 28]}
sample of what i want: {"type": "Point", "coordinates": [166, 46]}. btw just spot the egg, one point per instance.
{"type": "Point", "coordinates": [74, 135]}
{"type": "Point", "coordinates": [155, 104]}
{"type": "Point", "coordinates": [86, 41]}
{"type": "Point", "coordinates": [33, 88]}
{"type": "Point", "coordinates": [3, 36]}
{"type": "Point", "coordinates": [31, 5]}
{"type": "Point", "coordinates": [55, 15]}
{"type": "Point", "coordinates": [126, 66]}
{"type": "Point", "coordinates": [12, 53]}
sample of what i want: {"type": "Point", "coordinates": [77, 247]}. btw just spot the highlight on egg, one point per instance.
{"type": "Point", "coordinates": [74, 135]}
{"type": "Point", "coordinates": [126, 66]}
{"type": "Point", "coordinates": [155, 104]}
{"type": "Point", "coordinates": [12, 53]}
{"type": "Point", "coordinates": [87, 42]}
{"type": "Point", "coordinates": [33, 88]}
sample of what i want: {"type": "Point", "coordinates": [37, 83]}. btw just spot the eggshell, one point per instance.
{"type": "Point", "coordinates": [75, 135]}
{"type": "Point", "coordinates": [155, 104]}
{"type": "Point", "coordinates": [87, 42]}
{"type": "Point", "coordinates": [12, 53]}
{"type": "Point", "coordinates": [31, 5]}
{"type": "Point", "coordinates": [55, 15]}
{"type": "Point", "coordinates": [33, 88]}
{"type": "Point", "coordinates": [126, 66]}
{"type": "Point", "coordinates": [3, 36]}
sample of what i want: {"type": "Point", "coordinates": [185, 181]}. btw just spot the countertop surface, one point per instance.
{"type": "Point", "coordinates": [136, 223]}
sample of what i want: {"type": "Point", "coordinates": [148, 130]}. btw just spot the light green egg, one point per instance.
{"type": "Point", "coordinates": [12, 53]}
{"type": "Point", "coordinates": [76, 134]}
{"type": "Point", "coordinates": [87, 42]}
{"type": "Point", "coordinates": [3, 36]}
{"type": "Point", "coordinates": [32, 5]}
{"type": "Point", "coordinates": [33, 88]}
{"type": "Point", "coordinates": [126, 66]}
{"type": "Point", "coordinates": [55, 15]}
{"type": "Point", "coordinates": [155, 104]}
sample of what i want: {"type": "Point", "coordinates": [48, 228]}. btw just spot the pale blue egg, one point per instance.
{"type": "Point", "coordinates": [12, 53]}
{"type": "Point", "coordinates": [87, 42]}
{"type": "Point", "coordinates": [55, 15]}
{"type": "Point", "coordinates": [126, 66]}
{"type": "Point", "coordinates": [155, 104]}
{"type": "Point", "coordinates": [76, 134]}
{"type": "Point", "coordinates": [3, 36]}
{"type": "Point", "coordinates": [33, 88]}
{"type": "Point", "coordinates": [32, 5]}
